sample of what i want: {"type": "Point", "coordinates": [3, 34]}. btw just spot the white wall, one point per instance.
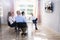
{"type": "Point", "coordinates": [6, 9]}
{"type": "Point", "coordinates": [51, 20]}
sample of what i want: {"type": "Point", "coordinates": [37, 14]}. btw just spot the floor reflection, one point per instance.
{"type": "Point", "coordinates": [10, 34]}
{"type": "Point", "coordinates": [38, 38]}
{"type": "Point", "coordinates": [43, 33]}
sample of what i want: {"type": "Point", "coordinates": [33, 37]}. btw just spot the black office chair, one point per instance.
{"type": "Point", "coordinates": [9, 24]}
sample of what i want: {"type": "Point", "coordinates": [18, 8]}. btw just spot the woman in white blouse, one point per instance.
{"type": "Point", "coordinates": [34, 20]}
{"type": "Point", "coordinates": [11, 20]}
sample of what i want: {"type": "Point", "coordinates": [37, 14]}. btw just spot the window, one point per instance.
{"type": "Point", "coordinates": [1, 10]}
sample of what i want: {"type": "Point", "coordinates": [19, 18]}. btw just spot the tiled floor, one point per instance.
{"type": "Point", "coordinates": [43, 33]}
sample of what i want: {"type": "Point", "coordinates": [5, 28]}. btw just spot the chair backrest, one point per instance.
{"type": "Point", "coordinates": [36, 19]}
{"type": "Point", "coordinates": [8, 23]}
